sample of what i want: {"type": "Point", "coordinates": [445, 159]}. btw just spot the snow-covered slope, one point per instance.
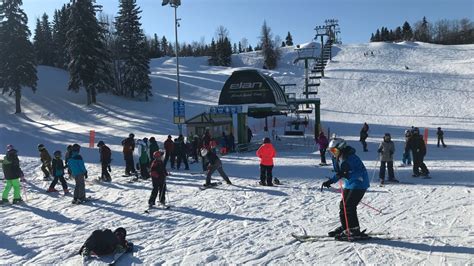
{"type": "Point", "coordinates": [245, 223]}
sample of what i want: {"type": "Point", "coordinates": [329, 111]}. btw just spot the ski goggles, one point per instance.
{"type": "Point", "coordinates": [334, 151]}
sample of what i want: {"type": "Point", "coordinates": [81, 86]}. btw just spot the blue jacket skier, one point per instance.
{"type": "Point", "coordinates": [348, 166]}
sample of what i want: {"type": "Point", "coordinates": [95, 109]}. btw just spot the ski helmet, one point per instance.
{"type": "Point", "coordinates": [387, 137]}
{"type": "Point", "coordinates": [41, 147]}
{"type": "Point", "coordinates": [10, 147]}
{"type": "Point", "coordinates": [76, 147]}
{"type": "Point", "coordinates": [336, 145]}
{"type": "Point", "coordinates": [266, 140]}
{"type": "Point", "coordinates": [131, 135]}
{"type": "Point", "coordinates": [204, 152]}
{"type": "Point", "coordinates": [145, 139]}
{"type": "Point", "coordinates": [100, 144]}
{"type": "Point", "coordinates": [157, 155]}
{"type": "Point", "coordinates": [121, 232]}
{"type": "Point", "coordinates": [57, 154]}
{"type": "Point", "coordinates": [416, 131]}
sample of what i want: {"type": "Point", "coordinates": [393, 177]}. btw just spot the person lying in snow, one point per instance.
{"type": "Point", "coordinates": [105, 242]}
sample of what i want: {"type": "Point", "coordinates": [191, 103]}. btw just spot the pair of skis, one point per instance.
{"type": "Point", "coordinates": [365, 236]}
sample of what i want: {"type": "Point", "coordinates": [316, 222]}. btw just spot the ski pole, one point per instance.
{"type": "Point", "coordinates": [345, 211]}
{"type": "Point", "coordinates": [375, 209]}
{"type": "Point", "coordinates": [375, 168]}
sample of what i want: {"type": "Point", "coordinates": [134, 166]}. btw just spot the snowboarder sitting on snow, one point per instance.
{"type": "Point", "coordinates": [12, 172]}
{"type": "Point", "coordinates": [323, 142]}
{"type": "Point", "coordinates": [266, 153]}
{"type": "Point", "coordinates": [45, 161]}
{"type": "Point", "coordinates": [105, 160]}
{"type": "Point", "coordinates": [58, 173]}
{"type": "Point", "coordinates": [158, 177]}
{"type": "Point", "coordinates": [106, 242]}
{"type": "Point", "coordinates": [214, 164]}
{"type": "Point", "coordinates": [348, 166]}
{"type": "Point", "coordinates": [79, 173]}
{"type": "Point", "coordinates": [386, 150]}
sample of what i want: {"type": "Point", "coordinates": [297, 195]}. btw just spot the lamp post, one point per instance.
{"type": "Point", "coordinates": [174, 4]}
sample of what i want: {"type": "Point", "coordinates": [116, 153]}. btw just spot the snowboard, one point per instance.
{"type": "Point", "coordinates": [111, 259]}
{"type": "Point", "coordinates": [157, 207]}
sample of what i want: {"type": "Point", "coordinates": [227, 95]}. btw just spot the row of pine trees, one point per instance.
{"type": "Point", "coordinates": [444, 31]}
{"type": "Point", "coordinates": [103, 54]}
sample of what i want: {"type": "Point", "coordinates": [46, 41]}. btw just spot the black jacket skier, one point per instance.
{"type": "Point", "coordinates": [417, 145]}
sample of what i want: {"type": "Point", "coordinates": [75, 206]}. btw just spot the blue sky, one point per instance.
{"type": "Point", "coordinates": [243, 18]}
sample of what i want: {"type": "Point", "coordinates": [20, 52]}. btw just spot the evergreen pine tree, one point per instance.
{"type": "Point", "coordinates": [212, 53]}
{"type": "Point", "coordinates": [60, 51]}
{"type": "Point", "coordinates": [234, 49]}
{"type": "Point", "coordinates": [17, 64]}
{"type": "Point", "coordinates": [240, 48]}
{"type": "Point", "coordinates": [250, 49]}
{"type": "Point", "coordinates": [283, 44]}
{"type": "Point", "coordinates": [43, 42]}
{"type": "Point", "coordinates": [132, 41]}
{"type": "Point", "coordinates": [407, 33]}
{"type": "Point", "coordinates": [377, 36]}
{"type": "Point", "coordinates": [372, 38]}
{"type": "Point", "coordinates": [398, 34]}
{"type": "Point", "coordinates": [164, 46]}
{"type": "Point", "coordinates": [422, 31]}
{"type": "Point", "coordinates": [289, 40]}
{"type": "Point", "coordinates": [270, 54]}
{"type": "Point", "coordinates": [89, 60]}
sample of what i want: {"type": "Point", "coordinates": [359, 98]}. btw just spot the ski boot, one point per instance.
{"type": "Point", "coordinates": [66, 191]}
{"type": "Point", "coordinates": [51, 189]}
{"type": "Point", "coordinates": [336, 231]}
{"type": "Point", "coordinates": [4, 201]}
{"type": "Point", "coordinates": [353, 234]}
{"type": "Point", "coordinates": [262, 183]}
{"type": "Point", "coordinates": [17, 201]}
{"type": "Point", "coordinates": [46, 178]}
{"type": "Point", "coordinates": [393, 180]}
{"type": "Point", "coordinates": [276, 181]}
{"type": "Point", "coordinates": [382, 181]}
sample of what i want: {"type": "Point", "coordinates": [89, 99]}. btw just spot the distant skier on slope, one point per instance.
{"type": "Point", "coordinates": [364, 134]}
{"type": "Point", "coordinates": [214, 164]}
{"type": "Point", "coordinates": [440, 135]}
{"type": "Point", "coordinates": [417, 145]}
{"type": "Point", "coordinates": [323, 142]}
{"type": "Point", "coordinates": [348, 166]}
{"type": "Point", "coordinates": [128, 148]}
{"type": "Point", "coordinates": [406, 157]}
{"type": "Point", "coordinates": [266, 153]}
{"type": "Point", "coordinates": [45, 162]}
{"type": "Point", "coordinates": [106, 242]}
{"type": "Point", "coordinates": [79, 173]}
{"type": "Point", "coordinates": [158, 177]}
{"type": "Point", "coordinates": [58, 173]}
{"type": "Point", "coordinates": [12, 172]}
{"type": "Point", "coordinates": [386, 150]}
{"type": "Point", "coordinates": [105, 160]}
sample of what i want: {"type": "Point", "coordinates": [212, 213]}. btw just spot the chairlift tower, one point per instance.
{"type": "Point", "coordinates": [321, 31]}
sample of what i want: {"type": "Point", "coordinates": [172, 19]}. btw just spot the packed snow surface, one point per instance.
{"type": "Point", "coordinates": [429, 221]}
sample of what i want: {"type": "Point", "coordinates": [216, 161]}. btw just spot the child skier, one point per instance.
{"type": "Point", "coordinates": [45, 162]}
{"type": "Point", "coordinates": [386, 150]}
{"type": "Point", "coordinates": [266, 153]}
{"type": "Point", "coordinates": [158, 176]}
{"type": "Point", "coordinates": [406, 157]}
{"type": "Point", "coordinates": [12, 172]}
{"type": "Point", "coordinates": [323, 142]}
{"type": "Point", "coordinates": [79, 173]}
{"type": "Point", "coordinates": [364, 134]}
{"type": "Point", "coordinates": [348, 165]}
{"type": "Point", "coordinates": [440, 135]}
{"type": "Point", "coordinates": [58, 173]}
{"type": "Point", "coordinates": [214, 164]}
{"type": "Point", "coordinates": [105, 160]}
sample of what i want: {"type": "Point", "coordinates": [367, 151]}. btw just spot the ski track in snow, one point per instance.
{"type": "Point", "coordinates": [245, 223]}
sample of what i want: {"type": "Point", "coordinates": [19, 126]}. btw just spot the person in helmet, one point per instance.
{"type": "Point", "coordinates": [418, 148]}
{"type": "Point", "coordinates": [105, 160]}
{"type": "Point", "coordinates": [128, 148]}
{"type": "Point", "coordinates": [105, 242]}
{"type": "Point", "coordinates": [406, 157]}
{"type": "Point", "coordinates": [158, 177]}
{"type": "Point", "coordinates": [12, 172]}
{"type": "Point", "coordinates": [45, 162]}
{"type": "Point", "coordinates": [386, 150]}
{"type": "Point", "coordinates": [153, 147]}
{"type": "Point", "coordinates": [440, 135]}
{"type": "Point", "coordinates": [348, 166]}
{"type": "Point", "coordinates": [143, 159]}
{"type": "Point", "coordinates": [79, 173]}
{"type": "Point", "coordinates": [214, 163]}
{"type": "Point", "coordinates": [58, 173]}
{"type": "Point", "coordinates": [169, 151]}
{"type": "Point", "coordinates": [266, 153]}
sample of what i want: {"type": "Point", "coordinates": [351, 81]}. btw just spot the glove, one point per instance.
{"type": "Point", "coordinates": [379, 150]}
{"type": "Point", "coordinates": [85, 175]}
{"type": "Point", "coordinates": [326, 183]}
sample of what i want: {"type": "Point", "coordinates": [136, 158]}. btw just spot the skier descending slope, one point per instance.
{"type": "Point", "coordinates": [348, 165]}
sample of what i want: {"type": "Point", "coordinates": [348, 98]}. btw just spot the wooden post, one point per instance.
{"type": "Point", "coordinates": [91, 138]}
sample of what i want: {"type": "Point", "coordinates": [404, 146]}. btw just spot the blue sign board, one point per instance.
{"type": "Point", "coordinates": [225, 109]}
{"type": "Point", "coordinates": [178, 112]}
